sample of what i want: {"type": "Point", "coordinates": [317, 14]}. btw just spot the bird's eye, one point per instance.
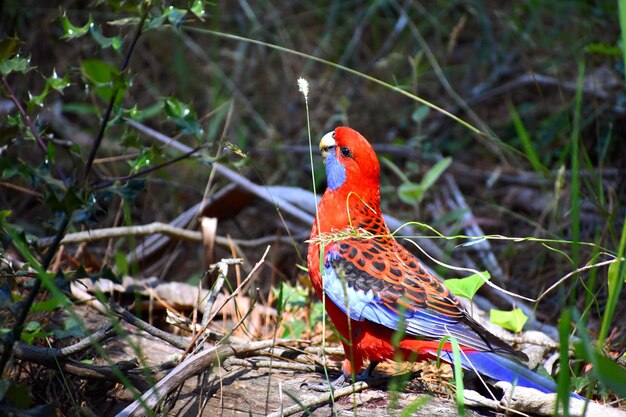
{"type": "Point", "coordinates": [346, 152]}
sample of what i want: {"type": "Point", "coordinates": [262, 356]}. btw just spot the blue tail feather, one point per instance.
{"type": "Point", "coordinates": [501, 368]}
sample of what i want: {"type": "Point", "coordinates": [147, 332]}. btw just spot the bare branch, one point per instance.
{"type": "Point", "coordinates": [193, 365]}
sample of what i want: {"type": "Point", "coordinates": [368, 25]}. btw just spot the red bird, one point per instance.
{"type": "Point", "coordinates": [374, 287]}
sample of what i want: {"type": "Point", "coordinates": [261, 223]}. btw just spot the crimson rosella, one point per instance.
{"type": "Point", "coordinates": [374, 287]}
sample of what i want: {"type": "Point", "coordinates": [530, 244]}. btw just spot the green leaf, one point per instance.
{"type": "Point", "coordinates": [54, 82]}
{"type": "Point", "coordinates": [97, 71]}
{"type": "Point", "coordinates": [38, 99]}
{"type": "Point", "coordinates": [513, 320]}
{"type": "Point", "coordinates": [197, 8]}
{"type": "Point", "coordinates": [280, 304]}
{"type": "Point", "coordinates": [142, 161]}
{"type": "Point", "coordinates": [435, 172]}
{"type": "Point", "coordinates": [125, 21]}
{"type": "Point", "coordinates": [146, 113]}
{"type": "Point", "coordinates": [175, 16]}
{"type": "Point", "coordinates": [57, 83]}
{"type": "Point", "coordinates": [48, 305]}
{"type": "Point", "coordinates": [294, 329]}
{"type": "Point", "coordinates": [72, 32]}
{"type": "Point", "coordinates": [610, 374]}
{"type": "Point", "coordinates": [176, 109]}
{"type": "Point", "coordinates": [410, 192]}
{"type": "Point", "coordinates": [420, 114]}
{"type": "Point", "coordinates": [121, 264]}
{"type": "Point", "coordinates": [235, 149]}
{"type": "Point", "coordinates": [105, 79]}
{"type": "Point", "coordinates": [19, 396]}
{"type": "Point", "coordinates": [32, 326]}
{"type": "Point", "coordinates": [8, 46]}
{"type": "Point", "coordinates": [16, 64]}
{"type": "Point", "coordinates": [71, 327]}
{"type": "Point", "coordinates": [183, 116]}
{"type": "Point", "coordinates": [51, 152]}
{"type": "Point", "coordinates": [466, 287]}
{"type": "Point", "coordinates": [293, 296]}
{"type": "Point", "coordinates": [603, 49]}
{"type": "Point", "coordinates": [114, 42]}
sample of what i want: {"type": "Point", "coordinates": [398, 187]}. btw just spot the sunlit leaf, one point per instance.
{"type": "Point", "coordinates": [235, 149]}
{"type": "Point", "coordinates": [57, 83]}
{"type": "Point", "coordinates": [72, 32]}
{"type": "Point", "coordinates": [197, 8]}
{"type": "Point", "coordinates": [466, 287]}
{"type": "Point", "coordinates": [513, 320]}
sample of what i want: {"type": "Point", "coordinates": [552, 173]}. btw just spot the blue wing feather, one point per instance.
{"type": "Point", "coordinates": [343, 284]}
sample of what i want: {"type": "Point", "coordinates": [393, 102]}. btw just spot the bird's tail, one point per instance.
{"type": "Point", "coordinates": [501, 368]}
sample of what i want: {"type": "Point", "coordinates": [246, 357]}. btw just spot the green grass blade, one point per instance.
{"type": "Point", "coordinates": [414, 406]}
{"type": "Point", "coordinates": [563, 380]}
{"type": "Point", "coordinates": [337, 66]}
{"type": "Point", "coordinates": [616, 281]}
{"type": "Point", "coordinates": [524, 137]}
{"type": "Point", "coordinates": [458, 377]}
{"type": "Point", "coordinates": [622, 24]}
{"type": "Point", "coordinates": [575, 187]}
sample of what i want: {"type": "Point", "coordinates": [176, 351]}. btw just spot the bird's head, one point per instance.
{"type": "Point", "coordinates": [351, 162]}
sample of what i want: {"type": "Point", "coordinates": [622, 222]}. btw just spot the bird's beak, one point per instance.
{"type": "Point", "coordinates": [327, 143]}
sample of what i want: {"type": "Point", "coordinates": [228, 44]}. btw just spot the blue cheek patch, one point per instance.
{"type": "Point", "coordinates": [335, 172]}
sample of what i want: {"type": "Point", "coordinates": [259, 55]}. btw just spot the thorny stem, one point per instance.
{"type": "Point", "coordinates": [30, 299]}
{"type": "Point", "coordinates": [109, 109]}
{"type": "Point", "coordinates": [29, 122]}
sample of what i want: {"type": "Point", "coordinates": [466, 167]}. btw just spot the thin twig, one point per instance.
{"type": "Point", "coordinates": [243, 284]}
{"type": "Point", "coordinates": [27, 119]}
{"type": "Point", "coordinates": [259, 364]}
{"type": "Point", "coordinates": [222, 273]}
{"type": "Point", "coordinates": [320, 400]}
{"type": "Point", "coordinates": [176, 341]}
{"type": "Point", "coordinates": [157, 228]}
{"type": "Point", "coordinates": [110, 181]}
{"type": "Point", "coordinates": [109, 109]}
{"type": "Point", "coordinates": [31, 125]}
{"type": "Point", "coordinates": [44, 355]}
